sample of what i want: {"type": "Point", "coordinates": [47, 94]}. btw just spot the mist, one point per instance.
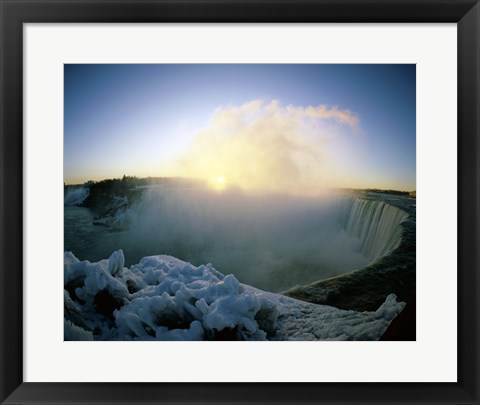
{"type": "Point", "coordinates": [261, 146]}
{"type": "Point", "coordinates": [272, 241]}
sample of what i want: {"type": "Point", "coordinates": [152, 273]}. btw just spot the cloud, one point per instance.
{"type": "Point", "coordinates": [266, 147]}
{"type": "Point", "coordinates": [324, 112]}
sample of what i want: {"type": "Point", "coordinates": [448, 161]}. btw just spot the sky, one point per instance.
{"type": "Point", "coordinates": [254, 126]}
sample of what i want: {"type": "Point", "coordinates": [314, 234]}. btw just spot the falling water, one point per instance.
{"type": "Point", "coordinates": [375, 223]}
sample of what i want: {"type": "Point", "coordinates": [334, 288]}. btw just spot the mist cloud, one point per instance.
{"type": "Point", "coordinates": [270, 241]}
{"type": "Point", "coordinates": [268, 147]}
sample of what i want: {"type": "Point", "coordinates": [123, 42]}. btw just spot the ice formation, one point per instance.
{"type": "Point", "coordinates": [164, 298]}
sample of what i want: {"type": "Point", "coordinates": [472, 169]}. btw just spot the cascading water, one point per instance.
{"type": "Point", "coordinates": [385, 226]}
{"type": "Point", "coordinates": [375, 223]}
{"type": "Point", "coordinates": [75, 196]}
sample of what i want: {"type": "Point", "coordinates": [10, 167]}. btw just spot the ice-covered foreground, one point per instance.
{"type": "Point", "coordinates": [164, 298]}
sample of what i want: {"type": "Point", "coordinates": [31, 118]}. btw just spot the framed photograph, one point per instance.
{"type": "Point", "coordinates": [238, 218]}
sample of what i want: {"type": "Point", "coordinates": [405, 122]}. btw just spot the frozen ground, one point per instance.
{"type": "Point", "coordinates": [164, 298]}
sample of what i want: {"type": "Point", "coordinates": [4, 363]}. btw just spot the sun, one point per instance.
{"type": "Point", "coordinates": [218, 183]}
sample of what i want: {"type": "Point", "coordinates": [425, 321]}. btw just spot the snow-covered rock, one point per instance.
{"type": "Point", "coordinates": [164, 298]}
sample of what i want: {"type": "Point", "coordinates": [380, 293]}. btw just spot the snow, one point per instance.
{"type": "Point", "coordinates": [304, 321]}
{"type": "Point", "coordinates": [73, 332]}
{"type": "Point", "coordinates": [164, 298]}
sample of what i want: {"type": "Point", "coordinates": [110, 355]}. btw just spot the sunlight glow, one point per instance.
{"type": "Point", "coordinates": [266, 147]}
{"type": "Point", "coordinates": [218, 183]}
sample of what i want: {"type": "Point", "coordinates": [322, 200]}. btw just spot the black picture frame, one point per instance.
{"type": "Point", "coordinates": [465, 13]}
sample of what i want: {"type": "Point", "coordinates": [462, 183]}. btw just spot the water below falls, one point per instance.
{"type": "Point", "coordinates": [270, 242]}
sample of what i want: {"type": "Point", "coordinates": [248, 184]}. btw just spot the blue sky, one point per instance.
{"type": "Point", "coordinates": [143, 120]}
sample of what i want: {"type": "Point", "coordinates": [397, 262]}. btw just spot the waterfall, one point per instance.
{"type": "Point", "coordinates": [375, 223]}
{"type": "Point", "coordinates": [75, 196]}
